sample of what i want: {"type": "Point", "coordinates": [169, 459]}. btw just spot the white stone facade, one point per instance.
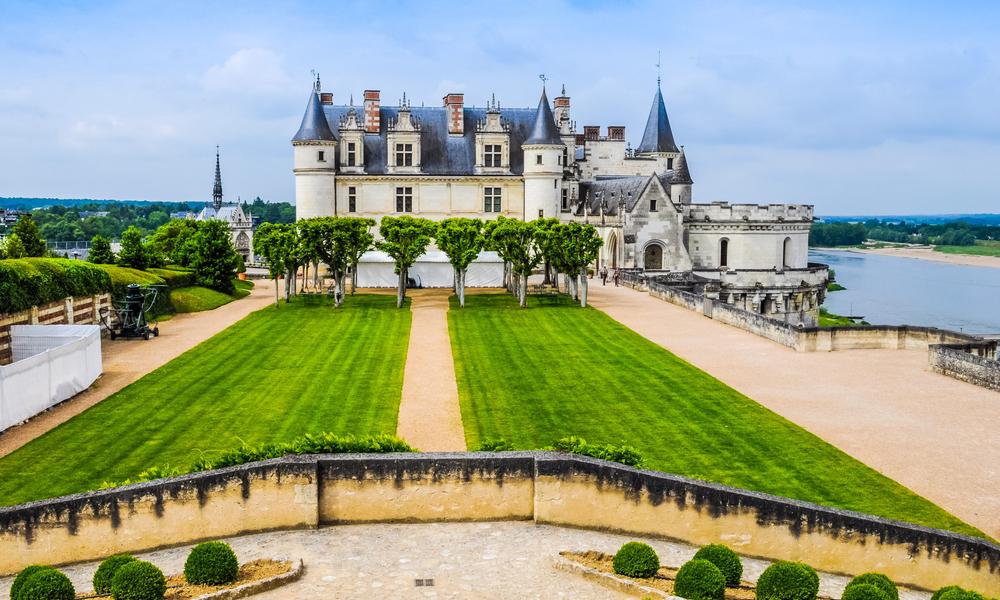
{"type": "Point", "coordinates": [452, 160]}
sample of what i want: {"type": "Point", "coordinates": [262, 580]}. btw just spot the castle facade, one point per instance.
{"type": "Point", "coordinates": [455, 160]}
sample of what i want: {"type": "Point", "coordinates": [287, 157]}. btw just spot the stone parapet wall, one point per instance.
{"type": "Point", "coordinates": [966, 363]}
{"type": "Point", "coordinates": [772, 329]}
{"type": "Point", "coordinates": [83, 310]}
{"type": "Point", "coordinates": [552, 488]}
{"type": "Point", "coordinates": [723, 211]}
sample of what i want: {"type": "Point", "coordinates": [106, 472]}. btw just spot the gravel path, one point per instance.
{"type": "Point", "coordinates": [429, 415]}
{"type": "Point", "coordinates": [510, 559]}
{"type": "Point", "coordinates": [934, 434]}
{"type": "Point", "coordinates": [127, 360]}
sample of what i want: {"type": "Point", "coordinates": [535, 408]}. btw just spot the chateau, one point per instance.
{"type": "Point", "coordinates": [240, 224]}
{"type": "Point", "coordinates": [455, 160]}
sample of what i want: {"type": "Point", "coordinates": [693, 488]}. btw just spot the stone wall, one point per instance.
{"type": "Point", "coordinates": [772, 329]}
{"type": "Point", "coordinates": [83, 310]}
{"type": "Point", "coordinates": [963, 361]}
{"type": "Point", "coordinates": [551, 488]}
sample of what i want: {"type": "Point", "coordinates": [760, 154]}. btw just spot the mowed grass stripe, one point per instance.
{"type": "Point", "coordinates": [533, 376]}
{"type": "Point", "coordinates": [275, 375]}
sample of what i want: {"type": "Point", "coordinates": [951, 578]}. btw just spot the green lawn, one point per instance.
{"type": "Point", "coordinates": [829, 319]}
{"type": "Point", "coordinates": [534, 375]}
{"type": "Point", "coordinates": [982, 248]}
{"type": "Point", "coordinates": [275, 375]}
{"type": "Point", "coordinates": [196, 299]}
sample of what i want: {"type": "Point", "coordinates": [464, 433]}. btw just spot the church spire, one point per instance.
{"type": "Point", "coordinates": [217, 190]}
{"type": "Point", "coordinates": [657, 137]}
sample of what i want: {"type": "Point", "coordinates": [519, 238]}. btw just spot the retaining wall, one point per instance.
{"type": "Point", "coordinates": [961, 362]}
{"type": "Point", "coordinates": [558, 489]}
{"type": "Point", "coordinates": [82, 310]}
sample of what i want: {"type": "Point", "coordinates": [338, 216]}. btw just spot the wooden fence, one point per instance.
{"type": "Point", "coordinates": [83, 310]}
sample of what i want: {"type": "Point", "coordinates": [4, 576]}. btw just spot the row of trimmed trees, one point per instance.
{"type": "Point", "coordinates": [339, 242]}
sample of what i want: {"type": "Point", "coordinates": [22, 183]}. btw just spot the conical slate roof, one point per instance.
{"type": "Point", "coordinates": [657, 137]}
{"type": "Point", "coordinates": [314, 126]}
{"type": "Point", "coordinates": [681, 172]}
{"type": "Point", "coordinates": [544, 131]}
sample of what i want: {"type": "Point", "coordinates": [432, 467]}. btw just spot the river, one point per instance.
{"type": "Point", "coordinates": [889, 290]}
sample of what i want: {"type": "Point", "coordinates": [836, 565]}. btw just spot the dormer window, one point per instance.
{"type": "Point", "coordinates": [404, 155]}
{"type": "Point", "coordinates": [652, 204]}
{"type": "Point", "coordinates": [352, 154]}
{"type": "Point", "coordinates": [492, 155]}
{"type": "Point", "coordinates": [321, 156]}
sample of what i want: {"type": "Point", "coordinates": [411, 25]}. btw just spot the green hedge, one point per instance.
{"type": "Point", "coordinates": [878, 580]}
{"type": "Point", "coordinates": [138, 580]}
{"type": "Point", "coordinates": [47, 584]}
{"type": "Point", "coordinates": [175, 278]}
{"type": "Point", "coordinates": [25, 282]}
{"type": "Point", "coordinates": [24, 576]}
{"type": "Point", "coordinates": [785, 580]}
{"type": "Point", "coordinates": [105, 573]}
{"type": "Point", "coordinates": [635, 559]}
{"type": "Point", "coordinates": [211, 563]}
{"type": "Point", "coordinates": [726, 560]}
{"type": "Point", "coordinates": [122, 277]}
{"type": "Point", "coordinates": [700, 579]}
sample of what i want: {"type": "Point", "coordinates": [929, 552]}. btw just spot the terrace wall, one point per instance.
{"type": "Point", "coordinates": [558, 489]}
{"type": "Point", "coordinates": [82, 310]}
{"type": "Point", "coordinates": [963, 362]}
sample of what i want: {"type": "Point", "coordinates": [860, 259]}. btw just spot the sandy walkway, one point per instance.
{"type": "Point", "coordinates": [429, 415]}
{"type": "Point", "coordinates": [936, 435]}
{"type": "Point", "coordinates": [127, 360]}
{"type": "Point", "coordinates": [968, 260]}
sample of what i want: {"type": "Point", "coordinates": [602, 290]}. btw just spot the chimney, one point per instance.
{"type": "Point", "coordinates": [326, 98]}
{"type": "Point", "coordinates": [373, 114]}
{"type": "Point", "coordinates": [591, 132]}
{"type": "Point", "coordinates": [616, 132]}
{"type": "Point", "coordinates": [561, 104]}
{"type": "Point", "coordinates": [455, 103]}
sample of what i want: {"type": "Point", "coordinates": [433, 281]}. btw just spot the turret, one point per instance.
{"type": "Point", "coordinates": [680, 183]}
{"type": "Point", "coordinates": [315, 162]}
{"type": "Point", "coordinates": [658, 139]}
{"type": "Point", "coordinates": [543, 156]}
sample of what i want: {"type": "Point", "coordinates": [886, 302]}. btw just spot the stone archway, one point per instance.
{"type": "Point", "coordinates": [652, 257]}
{"type": "Point", "coordinates": [611, 257]}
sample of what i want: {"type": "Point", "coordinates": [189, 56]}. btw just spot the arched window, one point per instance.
{"type": "Point", "coordinates": [786, 253]}
{"type": "Point", "coordinates": [724, 252]}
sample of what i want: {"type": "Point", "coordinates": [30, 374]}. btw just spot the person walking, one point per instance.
{"type": "Point", "coordinates": [618, 276]}
{"type": "Point", "coordinates": [604, 275]}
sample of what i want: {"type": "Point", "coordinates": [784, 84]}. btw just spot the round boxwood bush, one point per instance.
{"type": "Point", "coordinates": [211, 563]}
{"type": "Point", "coordinates": [878, 580]}
{"type": "Point", "coordinates": [47, 584]}
{"type": "Point", "coordinates": [105, 573]}
{"type": "Point", "coordinates": [937, 595]}
{"type": "Point", "coordinates": [636, 559]}
{"type": "Point", "coordinates": [958, 593]}
{"type": "Point", "coordinates": [23, 576]}
{"type": "Point", "coordinates": [700, 579]}
{"type": "Point", "coordinates": [864, 591]}
{"type": "Point", "coordinates": [725, 559]}
{"type": "Point", "coordinates": [788, 581]}
{"type": "Point", "coordinates": [138, 580]}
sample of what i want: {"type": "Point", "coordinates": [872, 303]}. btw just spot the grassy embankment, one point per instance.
{"type": "Point", "coordinates": [534, 376]}
{"type": "Point", "coordinates": [982, 248]}
{"type": "Point", "coordinates": [275, 375]}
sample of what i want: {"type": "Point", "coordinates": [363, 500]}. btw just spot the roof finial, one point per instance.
{"type": "Point", "coordinates": [544, 79]}
{"type": "Point", "coordinates": [352, 98]}
{"type": "Point", "coordinates": [657, 68]}
{"type": "Point", "coordinates": [563, 90]}
{"type": "Point", "coordinates": [316, 84]}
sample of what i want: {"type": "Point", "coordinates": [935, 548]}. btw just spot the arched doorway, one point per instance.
{"type": "Point", "coordinates": [786, 253]}
{"type": "Point", "coordinates": [653, 257]}
{"type": "Point", "coordinates": [612, 250]}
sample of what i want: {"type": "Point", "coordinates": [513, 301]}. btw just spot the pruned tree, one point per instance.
{"type": "Point", "coordinates": [404, 239]}
{"type": "Point", "coordinates": [273, 242]}
{"type": "Point", "coordinates": [311, 236]}
{"type": "Point", "coordinates": [360, 240]}
{"type": "Point", "coordinates": [462, 240]}
{"type": "Point", "coordinates": [579, 246]}
{"type": "Point", "coordinates": [517, 243]}
{"type": "Point", "coordinates": [545, 246]}
{"type": "Point", "coordinates": [100, 251]}
{"type": "Point", "coordinates": [328, 237]}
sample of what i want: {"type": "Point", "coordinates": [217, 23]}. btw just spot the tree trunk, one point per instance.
{"type": "Point", "coordinates": [288, 285]}
{"type": "Point", "coordinates": [338, 294]}
{"type": "Point", "coordinates": [524, 290]}
{"type": "Point", "coordinates": [583, 287]}
{"type": "Point", "coordinates": [276, 305]}
{"type": "Point", "coordinates": [316, 274]}
{"type": "Point", "coordinates": [461, 288]}
{"type": "Point", "coordinates": [354, 277]}
{"type": "Point", "coordinates": [305, 274]}
{"type": "Point", "coordinates": [547, 280]}
{"type": "Point", "coordinates": [401, 292]}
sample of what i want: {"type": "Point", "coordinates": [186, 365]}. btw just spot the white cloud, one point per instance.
{"type": "Point", "coordinates": [249, 71]}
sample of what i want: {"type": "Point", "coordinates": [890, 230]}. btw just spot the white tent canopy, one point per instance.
{"type": "Point", "coordinates": [376, 269]}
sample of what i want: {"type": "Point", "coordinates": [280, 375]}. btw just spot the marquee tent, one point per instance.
{"type": "Point", "coordinates": [432, 270]}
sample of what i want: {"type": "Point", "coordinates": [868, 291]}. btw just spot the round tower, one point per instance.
{"type": "Point", "coordinates": [315, 149]}
{"type": "Point", "coordinates": [543, 169]}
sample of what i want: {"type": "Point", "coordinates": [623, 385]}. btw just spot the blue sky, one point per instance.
{"type": "Point", "coordinates": [856, 107]}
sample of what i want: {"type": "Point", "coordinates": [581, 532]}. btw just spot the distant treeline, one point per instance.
{"type": "Point", "coordinates": [954, 233]}
{"type": "Point", "coordinates": [78, 221]}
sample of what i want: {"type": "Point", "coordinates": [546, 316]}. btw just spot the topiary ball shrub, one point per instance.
{"type": "Point", "coordinates": [636, 559]}
{"type": "Point", "coordinates": [105, 573]}
{"type": "Point", "coordinates": [864, 591]}
{"type": "Point", "coordinates": [23, 576]}
{"type": "Point", "coordinates": [700, 579]}
{"type": "Point", "coordinates": [725, 559]}
{"type": "Point", "coordinates": [960, 594]}
{"type": "Point", "coordinates": [211, 563]}
{"type": "Point", "coordinates": [138, 580]}
{"type": "Point", "coordinates": [788, 581]}
{"type": "Point", "coordinates": [47, 584]}
{"type": "Point", "coordinates": [878, 580]}
{"type": "Point", "coordinates": [937, 595]}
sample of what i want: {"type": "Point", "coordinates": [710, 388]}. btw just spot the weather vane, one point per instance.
{"type": "Point", "coordinates": [543, 78]}
{"type": "Point", "coordinates": [657, 68]}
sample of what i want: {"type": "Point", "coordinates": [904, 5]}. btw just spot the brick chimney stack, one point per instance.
{"type": "Point", "coordinates": [373, 112]}
{"type": "Point", "coordinates": [561, 104]}
{"type": "Point", "coordinates": [455, 103]}
{"type": "Point", "coordinates": [326, 98]}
